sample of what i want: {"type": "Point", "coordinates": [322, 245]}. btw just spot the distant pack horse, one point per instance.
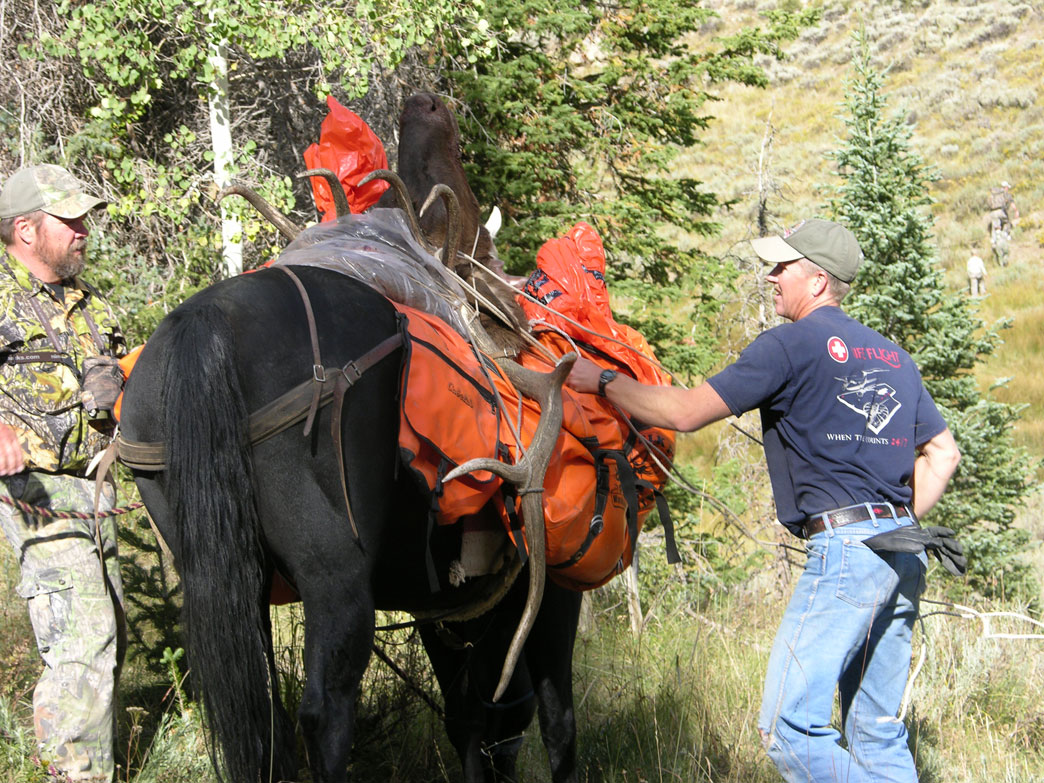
{"type": "Point", "coordinates": [233, 513]}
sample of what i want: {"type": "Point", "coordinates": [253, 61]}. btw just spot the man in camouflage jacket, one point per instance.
{"type": "Point", "coordinates": [58, 380]}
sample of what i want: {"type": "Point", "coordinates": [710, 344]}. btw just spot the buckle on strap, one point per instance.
{"type": "Point", "coordinates": [351, 372]}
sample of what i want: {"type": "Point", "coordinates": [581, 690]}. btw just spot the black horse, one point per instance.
{"type": "Point", "coordinates": [235, 510]}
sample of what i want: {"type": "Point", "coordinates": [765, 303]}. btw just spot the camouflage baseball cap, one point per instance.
{"type": "Point", "coordinates": [827, 244]}
{"type": "Point", "coordinates": [49, 188]}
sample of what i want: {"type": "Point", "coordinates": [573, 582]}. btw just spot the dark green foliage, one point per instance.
{"type": "Point", "coordinates": [901, 292]}
{"type": "Point", "coordinates": [580, 114]}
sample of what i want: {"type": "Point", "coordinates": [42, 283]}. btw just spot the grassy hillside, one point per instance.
{"type": "Point", "coordinates": [965, 75]}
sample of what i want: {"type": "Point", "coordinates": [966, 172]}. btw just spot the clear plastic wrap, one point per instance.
{"type": "Point", "coordinates": [377, 248]}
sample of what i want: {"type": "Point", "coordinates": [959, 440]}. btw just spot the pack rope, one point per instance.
{"type": "Point", "coordinates": [44, 512]}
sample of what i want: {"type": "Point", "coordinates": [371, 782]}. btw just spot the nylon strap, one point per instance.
{"type": "Point", "coordinates": [34, 357]}
{"type": "Point", "coordinates": [664, 512]}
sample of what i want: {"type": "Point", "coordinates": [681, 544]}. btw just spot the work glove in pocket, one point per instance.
{"type": "Point", "coordinates": [940, 541]}
{"type": "Point", "coordinates": [101, 385]}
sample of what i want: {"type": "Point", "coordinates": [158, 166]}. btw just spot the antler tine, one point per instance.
{"type": "Point", "coordinates": [547, 387]}
{"type": "Point", "coordinates": [275, 217]}
{"type": "Point", "coordinates": [336, 188]}
{"type": "Point", "coordinates": [452, 244]}
{"type": "Point", "coordinates": [405, 201]}
{"type": "Point", "coordinates": [510, 473]}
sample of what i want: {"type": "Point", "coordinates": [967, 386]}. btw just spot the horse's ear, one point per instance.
{"type": "Point", "coordinates": [493, 222]}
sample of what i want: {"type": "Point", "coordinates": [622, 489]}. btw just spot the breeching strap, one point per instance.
{"type": "Point", "coordinates": [282, 413]}
{"type": "Point", "coordinates": [301, 402]}
{"type": "Point", "coordinates": [318, 372]}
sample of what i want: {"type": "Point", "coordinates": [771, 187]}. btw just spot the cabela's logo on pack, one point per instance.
{"type": "Point", "coordinates": [837, 349]}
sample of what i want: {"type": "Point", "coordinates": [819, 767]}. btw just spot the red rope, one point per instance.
{"type": "Point", "coordinates": [47, 513]}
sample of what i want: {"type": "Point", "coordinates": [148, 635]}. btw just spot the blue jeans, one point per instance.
{"type": "Point", "coordinates": [847, 627]}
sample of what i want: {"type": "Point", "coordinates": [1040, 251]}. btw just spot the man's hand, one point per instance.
{"type": "Point", "coordinates": [584, 376]}
{"type": "Point", "coordinates": [940, 541]}
{"type": "Point", "coordinates": [12, 459]}
{"type": "Point", "coordinates": [102, 383]}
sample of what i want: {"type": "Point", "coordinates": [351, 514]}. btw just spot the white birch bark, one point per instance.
{"type": "Point", "coordinates": [221, 143]}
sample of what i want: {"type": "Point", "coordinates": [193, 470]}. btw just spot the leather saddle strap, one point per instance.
{"type": "Point", "coordinates": [318, 373]}
{"type": "Point", "coordinates": [269, 420]}
{"type": "Point", "coordinates": [288, 409]}
{"type": "Point", "coordinates": [340, 389]}
{"type": "Point", "coordinates": [347, 376]}
{"type": "Point", "coordinates": [341, 386]}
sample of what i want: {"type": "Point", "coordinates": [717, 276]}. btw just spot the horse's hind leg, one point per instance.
{"type": "Point", "coordinates": [339, 630]}
{"type": "Point", "coordinates": [316, 549]}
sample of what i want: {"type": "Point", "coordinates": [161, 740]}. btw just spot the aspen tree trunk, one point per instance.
{"type": "Point", "coordinates": [586, 623]}
{"type": "Point", "coordinates": [221, 142]}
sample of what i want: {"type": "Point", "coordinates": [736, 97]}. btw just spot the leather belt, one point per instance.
{"type": "Point", "coordinates": [852, 514]}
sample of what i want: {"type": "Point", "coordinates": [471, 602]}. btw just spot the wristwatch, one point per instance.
{"type": "Point", "coordinates": [604, 380]}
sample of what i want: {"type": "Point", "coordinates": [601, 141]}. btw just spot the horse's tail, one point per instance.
{"type": "Point", "coordinates": [211, 496]}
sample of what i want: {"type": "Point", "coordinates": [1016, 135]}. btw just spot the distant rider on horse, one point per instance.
{"type": "Point", "coordinates": [1004, 215]}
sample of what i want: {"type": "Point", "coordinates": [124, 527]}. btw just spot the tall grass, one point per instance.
{"type": "Point", "coordinates": [17, 745]}
{"type": "Point", "coordinates": [1015, 293]}
{"type": "Point", "coordinates": [678, 702]}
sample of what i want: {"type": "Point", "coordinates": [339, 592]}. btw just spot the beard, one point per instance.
{"type": "Point", "coordinates": [66, 263]}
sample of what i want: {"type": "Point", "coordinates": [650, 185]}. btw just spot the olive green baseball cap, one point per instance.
{"type": "Point", "coordinates": [49, 188]}
{"type": "Point", "coordinates": [823, 242]}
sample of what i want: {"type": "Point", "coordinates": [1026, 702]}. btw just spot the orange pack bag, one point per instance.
{"type": "Point", "coordinates": [127, 363]}
{"type": "Point", "coordinates": [455, 406]}
{"type": "Point", "coordinates": [595, 539]}
{"type": "Point", "coordinates": [449, 414]}
{"type": "Point", "coordinates": [570, 280]}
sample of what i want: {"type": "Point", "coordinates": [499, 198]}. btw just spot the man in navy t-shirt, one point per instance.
{"type": "Point", "coordinates": [856, 449]}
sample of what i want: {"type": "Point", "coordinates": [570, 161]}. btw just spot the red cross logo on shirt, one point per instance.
{"type": "Point", "coordinates": [837, 349]}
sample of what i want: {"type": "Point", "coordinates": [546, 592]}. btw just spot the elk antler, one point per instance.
{"type": "Point", "coordinates": [275, 217]}
{"type": "Point", "coordinates": [528, 474]}
{"type": "Point", "coordinates": [336, 188]}
{"type": "Point", "coordinates": [452, 244]}
{"type": "Point", "coordinates": [405, 202]}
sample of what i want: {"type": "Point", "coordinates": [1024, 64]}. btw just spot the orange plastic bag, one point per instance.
{"type": "Point", "coordinates": [570, 279]}
{"type": "Point", "coordinates": [350, 150]}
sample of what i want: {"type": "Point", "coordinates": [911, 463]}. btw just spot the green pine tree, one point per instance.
{"type": "Point", "coordinates": [901, 292]}
{"type": "Point", "coordinates": [580, 114]}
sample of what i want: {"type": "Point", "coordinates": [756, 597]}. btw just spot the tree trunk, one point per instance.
{"type": "Point", "coordinates": [221, 142]}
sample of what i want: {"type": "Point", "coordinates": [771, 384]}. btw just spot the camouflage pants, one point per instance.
{"type": "Point", "coordinates": [76, 608]}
